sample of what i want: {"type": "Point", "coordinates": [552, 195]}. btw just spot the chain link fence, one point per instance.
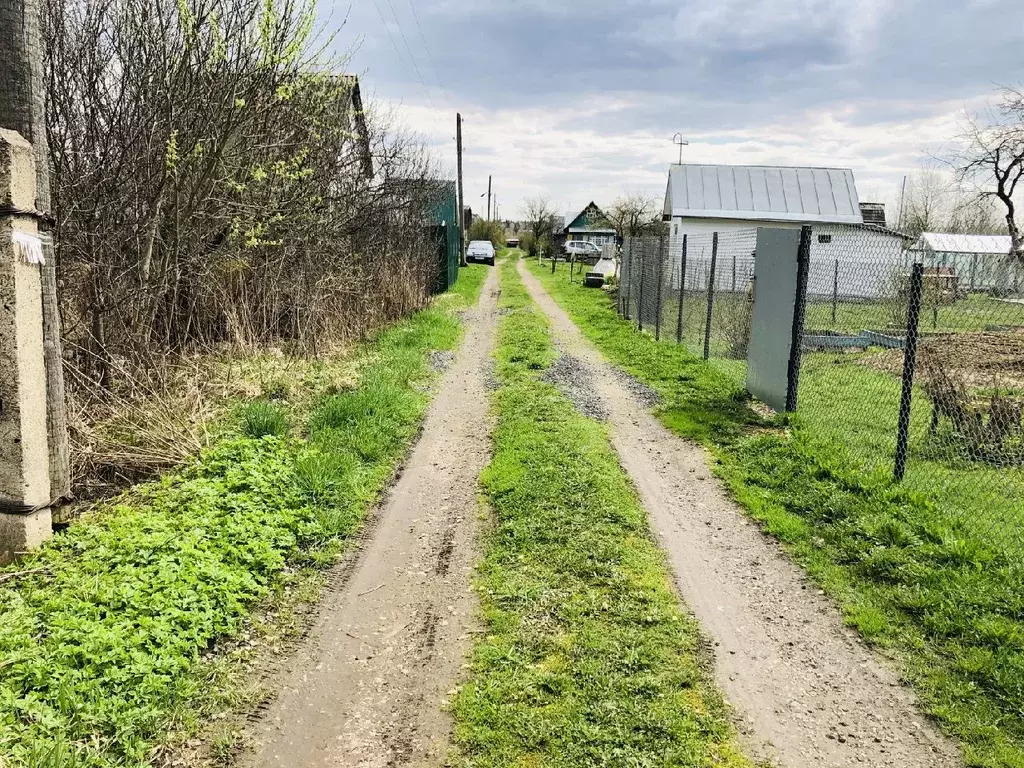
{"type": "Point", "coordinates": [911, 362]}
{"type": "Point", "coordinates": [693, 289]}
{"type": "Point", "coordinates": [913, 365]}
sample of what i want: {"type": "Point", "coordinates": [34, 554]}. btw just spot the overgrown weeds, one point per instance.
{"type": "Point", "coordinates": [915, 580]}
{"type": "Point", "coordinates": [588, 660]}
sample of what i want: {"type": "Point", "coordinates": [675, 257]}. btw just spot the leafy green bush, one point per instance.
{"type": "Point", "coordinates": [260, 419]}
{"type": "Point", "coordinates": [528, 244]}
{"type": "Point", "coordinates": [481, 229]}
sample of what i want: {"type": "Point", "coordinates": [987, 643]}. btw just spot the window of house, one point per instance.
{"type": "Point", "coordinates": [824, 239]}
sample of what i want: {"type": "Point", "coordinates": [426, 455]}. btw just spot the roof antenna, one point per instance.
{"type": "Point", "coordinates": [678, 139]}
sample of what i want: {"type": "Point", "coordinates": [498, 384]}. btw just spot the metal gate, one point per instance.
{"type": "Point", "coordinates": [780, 288]}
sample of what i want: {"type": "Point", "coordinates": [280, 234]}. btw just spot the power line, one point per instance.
{"type": "Point", "coordinates": [426, 47]}
{"type": "Point", "coordinates": [415, 66]}
{"type": "Point", "coordinates": [387, 29]}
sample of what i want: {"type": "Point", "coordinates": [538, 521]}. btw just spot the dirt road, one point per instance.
{"type": "Point", "coordinates": [807, 693]}
{"type": "Point", "coordinates": [369, 686]}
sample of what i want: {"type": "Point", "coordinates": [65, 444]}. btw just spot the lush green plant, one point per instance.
{"type": "Point", "coordinates": [481, 229]}
{"type": "Point", "coordinates": [260, 419]}
{"type": "Point", "coordinates": [913, 578]}
{"type": "Point", "coordinates": [588, 658]}
{"type": "Point", "coordinates": [528, 244]}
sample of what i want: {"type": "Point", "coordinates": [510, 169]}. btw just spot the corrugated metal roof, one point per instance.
{"type": "Point", "coordinates": [763, 193]}
{"type": "Point", "coordinates": [946, 243]}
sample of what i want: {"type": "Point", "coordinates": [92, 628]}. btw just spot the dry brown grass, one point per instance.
{"type": "Point", "coordinates": [160, 417]}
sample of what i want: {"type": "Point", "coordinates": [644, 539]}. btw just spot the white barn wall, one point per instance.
{"type": "Point", "coordinates": [869, 260]}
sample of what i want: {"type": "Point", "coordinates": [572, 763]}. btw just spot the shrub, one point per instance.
{"type": "Point", "coordinates": [482, 229]}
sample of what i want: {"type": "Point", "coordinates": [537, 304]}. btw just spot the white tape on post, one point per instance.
{"type": "Point", "coordinates": [29, 247]}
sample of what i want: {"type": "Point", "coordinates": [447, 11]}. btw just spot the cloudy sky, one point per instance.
{"type": "Point", "coordinates": [579, 101]}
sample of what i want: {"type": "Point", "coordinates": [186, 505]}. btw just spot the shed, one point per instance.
{"type": "Point", "coordinates": [849, 238]}
{"type": "Point", "coordinates": [982, 262]}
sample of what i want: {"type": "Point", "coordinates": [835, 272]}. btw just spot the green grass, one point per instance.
{"type": "Point", "coordinates": [910, 574]}
{"type": "Point", "coordinates": [588, 659]}
{"type": "Point", "coordinates": [109, 646]}
{"type": "Point", "coordinates": [972, 313]}
{"type": "Point", "coordinates": [850, 409]}
{"type": "Point", "coordinates": [261, 418]}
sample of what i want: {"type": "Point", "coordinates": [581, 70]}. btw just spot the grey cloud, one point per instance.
{"type": "Point", "coordinates": [708, 67]}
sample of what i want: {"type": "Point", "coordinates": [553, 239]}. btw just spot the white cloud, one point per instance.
{"type": "Point", "coordinates": [580, 104]}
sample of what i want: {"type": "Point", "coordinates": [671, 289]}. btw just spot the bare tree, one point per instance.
{"type": "Point", "coordinates": [925, 202]}
{"type": "Point", "coordinates": [539, 216]}
{"type": "Point", "coordinates": [634, 215]}
{"type": "Point", "coordinates": [990, 158]}
{"type": "Point", "coordinates": [219, 181]}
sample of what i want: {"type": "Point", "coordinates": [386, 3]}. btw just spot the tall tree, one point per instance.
{"type": "Point", "coordinates": [633, 215]}
{"type": "Point", "coordinates": [540, 217]}
{"type": "Point", "coordinates": [990, 157]}
{"type": "Point", "coordinates": [925, 202]}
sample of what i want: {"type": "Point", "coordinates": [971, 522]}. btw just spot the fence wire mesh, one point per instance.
{"type": "Point", "coordinates": [695, 290]}
{"type": "Point", "coordinates": [960, 441]}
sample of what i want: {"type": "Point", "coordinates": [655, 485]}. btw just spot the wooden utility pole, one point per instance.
{"type": "Point", "coordinates": [488, 198]}
{"type": "Point", "coordinates": [462, 205]}
{"type": "Point", "coordinates": [23, 109]}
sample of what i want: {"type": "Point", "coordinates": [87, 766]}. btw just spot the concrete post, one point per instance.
{"type": "Point", "coordinates": [25, 520]}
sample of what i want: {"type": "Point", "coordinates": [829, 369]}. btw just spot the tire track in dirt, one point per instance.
{"type": "Point", "coordinates": [806, 691]}
{"type": "Point", "coordinates": [368, 686]}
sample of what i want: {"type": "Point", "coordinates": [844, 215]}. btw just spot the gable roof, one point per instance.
{"type": "Point", "coordinates": [946, 243]}
{"type": "Point", "coordinates": [590, 219]}
{"type": "Point", "coordinates": [763, 193]}
{"type": "Point", "coordinates": [353, 105]}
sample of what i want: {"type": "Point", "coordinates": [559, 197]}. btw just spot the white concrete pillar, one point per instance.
{"type": "Point", "coordinates": [25, 520]}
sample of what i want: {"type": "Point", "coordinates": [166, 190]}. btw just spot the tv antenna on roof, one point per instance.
{"type": "Point", "coordinates": [681, 142]}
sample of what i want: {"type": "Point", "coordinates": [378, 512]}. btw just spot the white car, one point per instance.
{"type": "Point", "coordinates": [480, 250]}
{"type": "Point", "coordinates": [582, 249]}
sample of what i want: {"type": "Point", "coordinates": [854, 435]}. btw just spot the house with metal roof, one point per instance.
{"type": "Point", "coordinates": [703, 199]}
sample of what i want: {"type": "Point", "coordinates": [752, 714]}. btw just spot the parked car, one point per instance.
{"type": "Point", "coordinates": [481, 250]}
{"type": "Point", "coordinates": [512, 242]}
{"type": "Point", "coordinates": [582, 250]}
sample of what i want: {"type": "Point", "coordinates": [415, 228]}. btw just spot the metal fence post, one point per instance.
{"type": "Point", "coordinates": [974, 269]}
{"type": "Point", "coordinates": [734, 273]}
{"type": "Point", "coordinates": [682, 290]}
{"type": "Point", "coordinates": [803, 264]}
{"type": "Point", "coordinates": [661, 274]}
{"type": "Point", "coordinates": [627, 274]}
{"type": "Point", "coordinates": [640, 293]}
{"type": "Point", "coordinates": [711, 297]}
{"type": "Point", "coordinates": [835, 293]}
{"type": "Point", "coordinates": [937, 290]}
{"type": "Point", "coordinates": [909, 367]}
